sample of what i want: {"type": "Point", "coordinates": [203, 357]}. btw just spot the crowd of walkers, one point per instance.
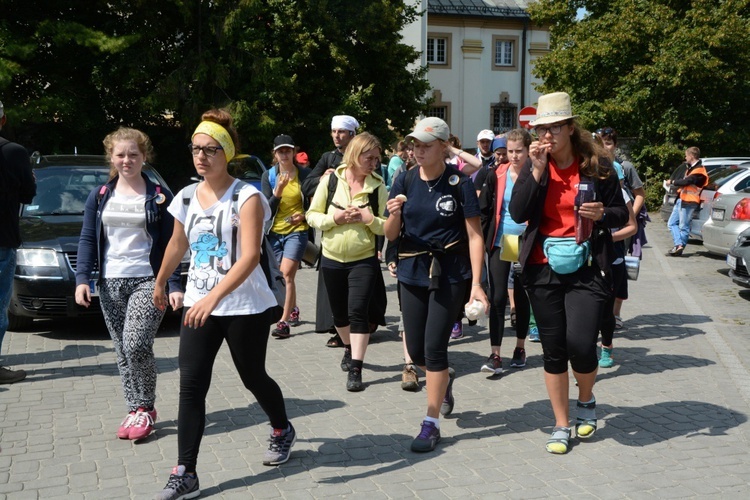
{"type": "Point", "coordinates": [540, 223]}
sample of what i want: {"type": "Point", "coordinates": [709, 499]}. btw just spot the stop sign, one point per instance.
{"type": "Point", "coordinates": [526, 115]}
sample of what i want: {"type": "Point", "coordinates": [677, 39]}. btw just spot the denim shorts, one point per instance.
{"type": "Point", "coordinates": [288, 246]}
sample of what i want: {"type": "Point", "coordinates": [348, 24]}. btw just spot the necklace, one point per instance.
{"type": "Point", "coordinates": [430, 188]}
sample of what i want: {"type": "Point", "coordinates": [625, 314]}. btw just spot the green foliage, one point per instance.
{"type": "Point", "coordinates": [669, 74]}
{"type": "Point", "coordinates": [72, 71]}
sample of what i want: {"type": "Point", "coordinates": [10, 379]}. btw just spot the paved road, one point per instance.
{"type": "Point", "coordinates": [674, 411]}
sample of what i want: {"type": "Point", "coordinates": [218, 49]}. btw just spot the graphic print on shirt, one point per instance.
{"type": "Point", "coordinates": [208, 252]}
{"type": "Point", "coordinates": [446, 205]}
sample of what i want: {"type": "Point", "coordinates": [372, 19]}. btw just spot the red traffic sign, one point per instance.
{"type": "Point", "coordinates": [526, 116]}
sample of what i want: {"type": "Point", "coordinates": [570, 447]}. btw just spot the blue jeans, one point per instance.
{"type": "Point", "coordinates": [679, 223]}
{"type": "Point", "coordinates": [7, 269]}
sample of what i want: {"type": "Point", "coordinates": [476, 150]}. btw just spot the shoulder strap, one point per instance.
{"type": "Point", "coordinates": [374, 200]}
{"type": "Point", "coordinates": [333, 182]}
{"type": "Point", "coordinates": [187, 193]}
{"type": "Point", "coordinates": [100, 194]}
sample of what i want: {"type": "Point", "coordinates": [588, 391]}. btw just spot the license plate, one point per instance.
{"type": "Point", "coordinates": [732, 262]}
{"type": "Point", "coordinates": [717, 214]}
{"type": "Point", "coordinates": [92, 287]}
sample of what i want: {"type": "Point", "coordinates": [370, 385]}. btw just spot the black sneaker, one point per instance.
{"type": "Point", "coordinates": [282, 330]}
{"type": "Point", "coordinates": [180, 485]}
{"type": "Point", "coordinates": [428, 438]}
{"type": "Point", "coordinates": [346, 361]}
{"type": "Point", "coordinates": [354, 381]}
{"type": "Point", "coordinates": [448, 401]}
{"type": "Point", "coordinates": [280, 447]}
{"type": "Point", "coordinates": [519, 358]}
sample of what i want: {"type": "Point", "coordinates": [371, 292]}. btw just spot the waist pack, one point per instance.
{"type": "Point", "coordinates": [564, 255]}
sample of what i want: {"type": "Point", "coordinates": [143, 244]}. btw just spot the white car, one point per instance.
{"type": "Point", "coordinates": [730, 216]}
{"type": "Point", "coordinates": [723, 181]}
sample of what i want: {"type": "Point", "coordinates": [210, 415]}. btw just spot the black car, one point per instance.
{"type": "Point", "coordinates": [44, 281]}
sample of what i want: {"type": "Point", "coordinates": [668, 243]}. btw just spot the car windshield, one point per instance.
{"type": "Point", "coordinates": [717, 178]}
{"type": "Point", "coordinates": [63, 190]}
{"type": "Point", "coordinates": [247, 168]}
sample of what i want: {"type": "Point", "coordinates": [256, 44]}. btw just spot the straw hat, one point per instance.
{"type": "Point", "coordinates": [553, 108]}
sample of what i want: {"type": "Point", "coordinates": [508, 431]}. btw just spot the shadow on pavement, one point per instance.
{"type": "Point", "coordinates": [656, 423]}
{"type": "Point", "coordinates": [636, 360]}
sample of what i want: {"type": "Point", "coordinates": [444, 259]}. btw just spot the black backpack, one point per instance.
{"type": "Point", "coordinates": [268, 263]}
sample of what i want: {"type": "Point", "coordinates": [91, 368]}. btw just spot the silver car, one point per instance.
{"type": "Point", "coordinates": [730, 216]}
{"type": "Point", "coordinates": [738, 259]}
{"type": "Point", "coordinates": [727, 180]}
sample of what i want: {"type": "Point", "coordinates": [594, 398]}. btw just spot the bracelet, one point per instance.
{"type": "Point", "coordinates": [476, 284]}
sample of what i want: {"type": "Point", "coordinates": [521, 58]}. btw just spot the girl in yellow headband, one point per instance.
{"type": "Point", "coordinates": [227, 296]}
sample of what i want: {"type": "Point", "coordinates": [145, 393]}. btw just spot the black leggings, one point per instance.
{"type": "Point", "coordinates": [247, 338]}
{"type": "Point", "coordinates": [428, 320]}
{"type": "Point", "coordinates": [499, 271]}
{"type": "Point", "coordinates": [349, 292]}
{"type": "Point", "coordinates": [619, 274]}
{"type": "Point", "coordinates": [568, 309]}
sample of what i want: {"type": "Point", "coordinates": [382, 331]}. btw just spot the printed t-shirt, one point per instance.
{"type": "Point", "coordinates": [290, 204]}
{"type": "Point", "coordinates": [209, 234]}
{"type": "Point", "coordinates": [128, 244]}
{"type": "Point", "coordinates": [436, 216]}
{"type": "Point", "coordinates": [558, 215]}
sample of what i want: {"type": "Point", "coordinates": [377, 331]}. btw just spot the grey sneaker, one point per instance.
{"type": "Point", "coordinates": [8, 376]}
{"type": "Point", "coordinates": [280, 446]}
{"type": "Point", "coordinates": [448, 401]}
{"type": "Point", "coordinates": [180, 486]}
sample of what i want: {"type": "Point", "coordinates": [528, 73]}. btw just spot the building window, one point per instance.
{"type": "Point", "coordinates": [439, 112]}
{"type": "Point", "coordinates": [504, 53]}
{"type": "Point", "coordinates": [436, 50]}
{"type": "Point", "coordinates": [503, 118]}
{"type": "Point", "coordinates": [439, 50]}
{"type": "Point", "coordinates": [440, 108]}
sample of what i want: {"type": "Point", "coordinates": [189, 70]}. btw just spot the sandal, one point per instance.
{"type": "Point", "coordinates": [513, 319]}
{"type": "Point", "coordinates": [559, 441]}
{"type": "Point", "coordinates": [335, 341]}
{"type": "Point", "coordinates": [618, 323]}
{"type": "Point", "coordinates": [586, 427]}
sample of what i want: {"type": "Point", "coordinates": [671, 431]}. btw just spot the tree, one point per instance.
{"type": "Point", "coordinates": [71, 71]}
{"type": "Point", "coordinates": [669, 73]}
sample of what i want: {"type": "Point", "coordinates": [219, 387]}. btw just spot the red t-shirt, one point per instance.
{"type": "Point", "coordinates": [558, 216]}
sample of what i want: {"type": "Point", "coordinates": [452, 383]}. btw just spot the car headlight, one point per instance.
{"type": "Point", "coordinates": [37, 262]}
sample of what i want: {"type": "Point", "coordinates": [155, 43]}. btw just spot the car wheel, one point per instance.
{"type": "Point", "coordinates": [18, 323]}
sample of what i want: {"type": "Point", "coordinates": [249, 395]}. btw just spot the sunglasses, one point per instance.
{"type": "Point", "coordinates": [605, 131]}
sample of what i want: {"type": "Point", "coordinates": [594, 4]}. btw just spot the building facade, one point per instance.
{"type": "Point", "coordinates": [480, 55]}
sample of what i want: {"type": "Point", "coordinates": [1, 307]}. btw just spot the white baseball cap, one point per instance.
{"type": "Point", "coordinates": [486, 134]}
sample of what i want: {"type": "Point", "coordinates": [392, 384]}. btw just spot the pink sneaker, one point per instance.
{"type": "Point", "coordinates": [143, 424]}
{"type": "Point", "coordinates": [124, 431]}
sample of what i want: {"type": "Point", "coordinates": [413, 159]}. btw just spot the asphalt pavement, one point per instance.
{"type": "Point", "coordinates": [673, 411]}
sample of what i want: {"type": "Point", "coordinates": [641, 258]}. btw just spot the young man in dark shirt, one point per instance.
{"type": "Point", "coordinates": [17, 186]}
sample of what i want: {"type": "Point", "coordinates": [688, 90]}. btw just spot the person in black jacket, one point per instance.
{"type": "Point", "coordinates": [287, 230]}
{"type": "Point", "coordinates": [568, 302]}
{"type": "Point", "coordinates": [17, 185]}
{"type": "Point", "coordinates": [126, 229]}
